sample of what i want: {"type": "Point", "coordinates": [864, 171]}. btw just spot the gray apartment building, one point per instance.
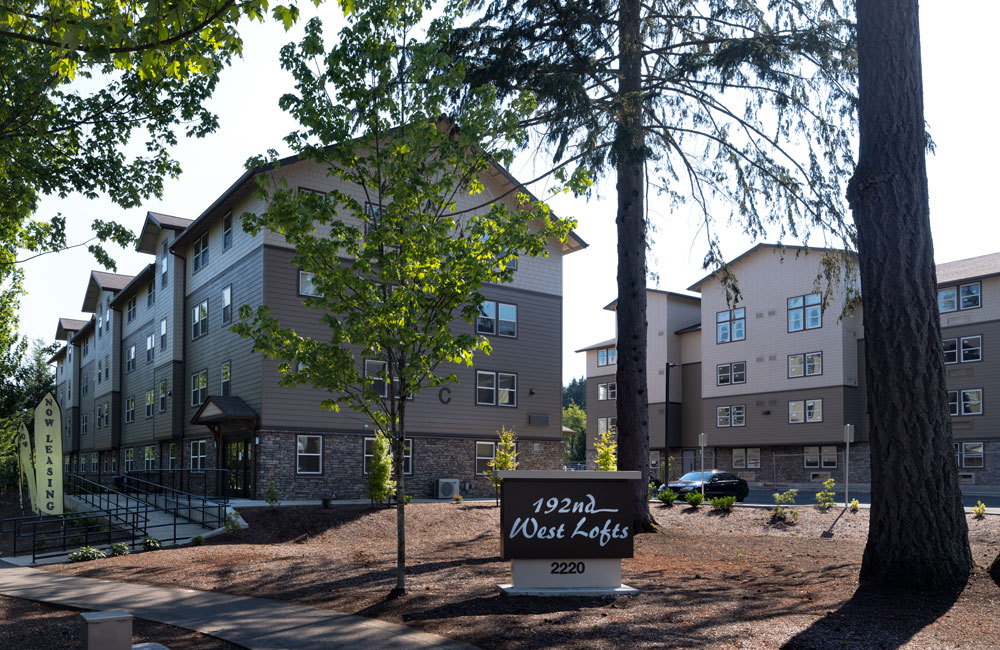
{"type": "Point", "coordinates": [773, 379]}
{"type": "Point", "coordinates": [154, 380]}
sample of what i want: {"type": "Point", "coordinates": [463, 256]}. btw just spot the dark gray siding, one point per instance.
{"type": "Point", "coordinates": [535, 356]}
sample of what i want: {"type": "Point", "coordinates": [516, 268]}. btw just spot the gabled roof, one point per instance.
{"type": "Point", "coordinates": [806, 249]}
{"type": "Point", "coordinates": [968, 269]}
{"type": "Point", "coordinates": [155, 222]}
{"type": "Point", "coordinates": [67, 327]}
{"type": "Point", "coordinates": [596, 346]}
{"type": "Point", "coordinates": [102, 281]}
{"type": "Point", "coordinates": [140, 280]}
{"type": "Point", "coordinates": [611, 306]}
{"type": "Point", "coordinates": [218, 408]}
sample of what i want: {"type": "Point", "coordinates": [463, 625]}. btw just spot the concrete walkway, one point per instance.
{"type": "Point", "coordinates": [255, 623]}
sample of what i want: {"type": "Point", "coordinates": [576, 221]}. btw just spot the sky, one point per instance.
{"type": "Point", "coordinates": [959, 104]}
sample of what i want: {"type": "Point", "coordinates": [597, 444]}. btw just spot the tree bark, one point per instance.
{"type": "Point", "coordinates": [918, 536]}
{"type": "Point", "coordinates": [630, 153]}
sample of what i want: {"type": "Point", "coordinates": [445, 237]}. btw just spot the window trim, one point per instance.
{"type": "Point", "coordinates": [407, 454]}
{"type": "Point", "coordinates": [299, 454]}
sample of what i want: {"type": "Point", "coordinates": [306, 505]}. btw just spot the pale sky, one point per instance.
{"type": "Point", "coordinates": [959, 101]}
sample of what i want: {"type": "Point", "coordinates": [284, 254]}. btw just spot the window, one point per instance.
{"type": "Point", "coordinates": [130, 309]}
{"type": "Point", "coordinates": [151, 293]}
{"type": "Point", "coordinates": [309, 455]}
{"type": "Point", "coordinates": [307, 284]}
{"type": "Point", "coordinates": [199, 320]}
{"type": "Point", "coordinates": [972, 401]}
{"type": "Point", "coordinates": [746, 457]}
{"type": "Point", "coordinates": [731, 373]}
{"type": "Point", "coordinates": [969, 454]}
{"type": "Point", "coordinates": [227, 304]}
{"type": "Point", "coordinates": [163, 334]}
{"type": "Point", "coordinates": [950, 349]}
{"type": "Point", "coordinates": [163, 266]}
{"type": "Point", "coordinates": [199, 387]}
{"type": "Point", "coordinates": [730, 416]}
{"type": "Point", "coordinates": [377, 373]}
{"type": "Point", "coordinates": [730, 325]}
{"type": "Point", "coordinates": [604, 425]}
{"type": "Point", "coordinates": [163, 396]}
{"type": "Point", "coordinates": [130, 409]}
{"type": "Point", "coordinates": [201, 252]}
{"type": "Point", "coordinates": [497, 318]}
{"type": "Point", "coordinates": [197, 454]}
{"type": "Point", "coordinates": [149, 457]}
{"type": "Point", "coordinates": [814, 410]}
{"type": "Point", "coordinates": [496, 388]}
{"type": "Point", "coordinates": [225, 377]}
{"type": "Point", "coordinates": [129, 460]}
{"type": "Point", "coordinates": [227, 232]}
{"type": "Point", "coordinates": [83, 424]}
{"type": "Point", "coordinates": [972, 348]}
{"type": "Point", "coordinates": [407, 454]}
{"type": "Point", "coordinates": [149, 403]}
{"type": "Point", "coordinates": [825, 456]}
{"type": "Point", "coordinates": [805, 312]}
{"type": "Point", "coordinates": [805, 365]}
{"type": "Point", "coordinates": [607, 391]}
{"type": "Point", "coordinates": [485, 452]}
{"type": "Point", "coordinates": [130, 359]}
{"type": "Point", "coordinates": [171, 455]}
{"type": "Point", "coordinates": [966, 296]}
{"type": "Point", "coordinates": [607, 356]}
{"type": "Point", "coordinates": [150, 347]}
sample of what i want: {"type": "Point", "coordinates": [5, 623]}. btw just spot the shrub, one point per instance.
{"type": "Point", "coordinates": [86, 554]}
{"type": "Point", "coordinates": [667, 497]}
{"type": "Point", "coordinates": [457, 498]}
{"type": "Point", "coordinates": [232, 522]}
{"type": "Point", "coordinates": [825, 497]}
{"type": "Point", "coordinates": [119, 549]}
{"type": "Point", "coordinates": [271, 494]}
{"type": "Point", "coordinates": [327, 501]}
{"type": "Point", "coordinates": [198, 540]}
{"type": "Point", "coordinates": [722, 504]}
{"type": "Point", "coordinates": [694, 499]}
{"type": "Point", "coordinates": [855, 506]}
{"type": "Point", "coordinates": [607, 452]}
{"type": "Point", "coordinates": [780, 513]}
{"type": "Point", "coordinates": [151, 544]}
{"type": "Point", "coordinates": [979, 509]}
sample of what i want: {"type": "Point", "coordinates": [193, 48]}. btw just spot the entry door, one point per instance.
{"type": "Point", "coordinates": [688, 459]}
{"type": "Point", "coordinates": [239, 462]}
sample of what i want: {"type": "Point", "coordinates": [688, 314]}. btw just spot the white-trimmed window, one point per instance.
{"type": "Point", "coordinates": [149, 403]}
{"type": "Point", "coordinates": [197, 460]}
{"type": "Point", "coordinates": [149, 457]}
{"type": "Point", "coordinates": [971, 348]}
{"type": "Point", "coordinates": [227, 231]}
{"type": "Point", "coordinates": [129, 459]}
{"type": "Point", "coordinates": [972, 401]}
{"type": "Point", "coordinates": [607, 391]}
{"type": "Point", "coordinates": [130, 309]}
{"type": "Point", "coordinates": [199, 319]}
{"type": "Point", "coordinates": [605, 425]}
{"type": "Point", "coordinates": [970, 454]}
{"type": "Point", "coordinates": [307, 284]}
{"type": "Point", "coordinates": [485, 452]}
{"type": "Point", "coordinates": [953, 402]}
{"type": "Point", "coordinates": [731, 325]}
{"type": "Point", "coordinates": [201, 252]}
{"type": "Point", "coordinates": [130, 409]}
{"type": "Point", "coordinates": [731, 373]}
{"type": "Point", "coordinates": [309, 455]}
{"type": "Point", "coordinates": [163, 333]}
{"type": "Point", "coordinates": [199, 387]}
{"type": "Point", "coordinates": [130, 359]}
{"type": "Point", "coordinates": [227, 304]}
{"type": "Point", "coordinates": [369, 453]}
{"type": "Point", "coordinates": [163, 396]}
{"type": "Point", "coordinates": [805, 312]}
{"type": "Point", "coordinates": [150, 347]}
{"type": "Point", "coordinates": [377, 372]}
{"type": "Point", "coordinates": [607, 356]}
{"type": "Point", "coordinates": [225, 377]}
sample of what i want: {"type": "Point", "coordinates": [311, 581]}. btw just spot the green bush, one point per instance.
{"type": "Point", "coordinates": [271, 494]}
{"type": "Point", "coordinates": [119, 549]}
{"type": "Point", "coordinates": [197, 540]}
{"type": "Point", "coordinates": [825, 497]}
{"type": "Point", "coordinates": [694, 499]}
{"type": "Point", "coordinates": [722, 504]}
{"type": "Point", "coordinates": [667, 497]}
{"type": "Point", "coordinates": [151, 544]}
{"type": "Point", "coordinates": [780, 513]}
{"type": "Point", "coordinates": [232, 523]}
{"type": "Point", "coordinates": [86, 554]}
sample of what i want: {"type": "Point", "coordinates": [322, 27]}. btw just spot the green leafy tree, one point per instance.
{"type": "Point", "coordinates": [575, 447]}
{"type": "Point", "coordinates": [744, 111]}
{"type": "Point", "coordinates": [504, 459]}
{"type": "Point", "coordinates": [576, 392]}
{"type": "Point", "coordinates": [607, 452]}
{"type": "Point", "coordinates": [379, 485]}
{"type": "Point", "coordinates": [397, 267]}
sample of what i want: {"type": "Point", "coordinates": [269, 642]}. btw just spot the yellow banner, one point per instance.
{"type": "Point", "coordinates": [48, 456]}
{"type": "Point", "coordinates": [27, 467]}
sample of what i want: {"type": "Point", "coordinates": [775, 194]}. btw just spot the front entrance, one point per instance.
{"type": "Point", "coordinates": [237, 457]}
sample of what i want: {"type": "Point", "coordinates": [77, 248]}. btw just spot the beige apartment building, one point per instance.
{"type": "Point", "coordinates": [773, 379]}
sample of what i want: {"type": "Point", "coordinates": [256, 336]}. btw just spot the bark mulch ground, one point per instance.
{"type": "Point", "coordinates": [706, 580]}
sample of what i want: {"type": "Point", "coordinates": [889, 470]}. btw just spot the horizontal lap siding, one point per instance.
{"type": "Point", "coordinates": [535, 356]}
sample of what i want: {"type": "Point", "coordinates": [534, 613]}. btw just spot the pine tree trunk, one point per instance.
{"type": "Point", "coordinates": [630, 151]}
{"type": "Point", "coordinates": [918, 535]}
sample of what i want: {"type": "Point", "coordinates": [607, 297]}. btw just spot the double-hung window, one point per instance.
{"type": "Point", "coordinates": [201, 252]}
{"type": "Point", "coordinates": [227, 304]}
{"type": "Point", "coordinates": [309, 455]}
{"type": "Point", "coordinates": [731, 373]}
{"type": "Point", "coordinates": [199, 320]}
{"type": "Point", "coordinates": [197, 460]}
{"type": "Point", "coordinates": [731, 325]}
{"type": "Point", "coordinates": [199, 387]}
{"type": "Point", "coordinates": [969, 454]}
{"type": "Point", "coordinates": [607, 356]}
{"type": "Point", "coordinates": [377, 374]}
{"type": "Point", "coordinates": [607, 391]}
{"type": "Point", "coordinates": [130, 359]}
{"type": "Point", "coordinates": [369, 453]}
{"type": "Point", "coordinates": [805, 312]}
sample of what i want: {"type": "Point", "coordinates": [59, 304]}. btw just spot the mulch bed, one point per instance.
{"type": "Point", "coordinates": [706, 580]}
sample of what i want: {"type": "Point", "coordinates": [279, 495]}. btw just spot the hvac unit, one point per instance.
{"type": "Point", "coordinates": [447, 488]}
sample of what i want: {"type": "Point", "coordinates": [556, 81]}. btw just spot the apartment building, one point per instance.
{"type": "Point", "coordinates": [164, 384]}
{"type": "Point", "coordinates": [773, 379]}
